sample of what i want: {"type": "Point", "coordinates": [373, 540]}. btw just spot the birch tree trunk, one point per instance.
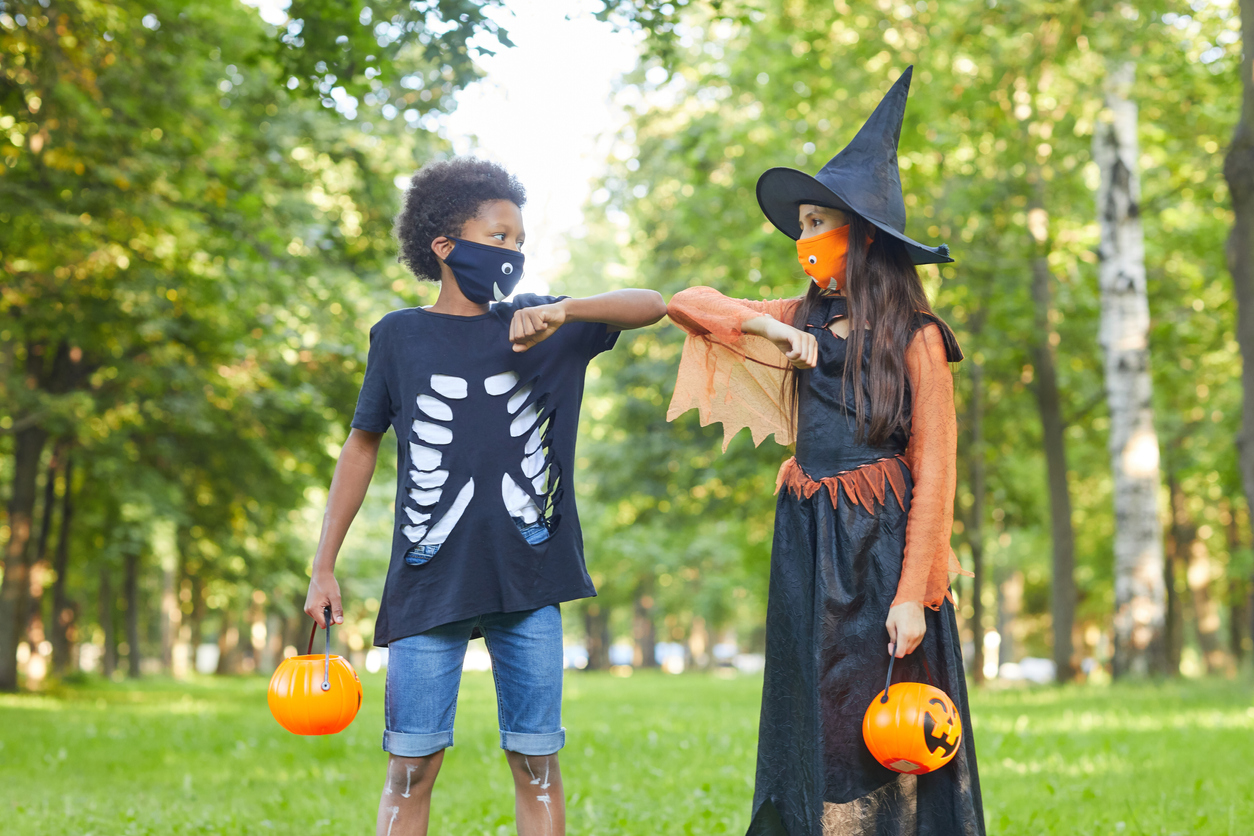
{"type": "Point", "coordinates": [1239, 172]}
{"type": "Point", "coordinates": [1140, 594]}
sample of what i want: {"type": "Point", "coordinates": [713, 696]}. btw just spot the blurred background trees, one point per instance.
{"type": "Point", "coordinates": [195, 224]}
{"type": "Point", "coordinates": [195, 231]}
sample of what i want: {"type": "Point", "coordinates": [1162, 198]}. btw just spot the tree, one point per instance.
{"type": "Point", "coordinates": [1239, 173]}
{"type": "Point", "coordinates": [1140, 600]}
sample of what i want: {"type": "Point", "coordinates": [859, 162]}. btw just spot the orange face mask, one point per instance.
{"type": "Point", "coordinates": [823, 256]}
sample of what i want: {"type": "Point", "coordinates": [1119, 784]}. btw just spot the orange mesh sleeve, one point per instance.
{"type": "Point", "coordinates": [728, 376]}
{"type": "Point", "coordinates": [932, 457]}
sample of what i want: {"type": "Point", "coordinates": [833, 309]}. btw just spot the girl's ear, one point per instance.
{"type": "Point", "coordinates": [441, 247]}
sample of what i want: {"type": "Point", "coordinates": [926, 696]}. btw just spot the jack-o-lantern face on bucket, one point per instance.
{"type": "Point", "coordinates": [916, 729]}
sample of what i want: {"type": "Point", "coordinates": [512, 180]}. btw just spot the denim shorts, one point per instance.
{"type": "Point", "coordinates": [425, 672]}
{"type": "Point", "coordinates": [535, 534]}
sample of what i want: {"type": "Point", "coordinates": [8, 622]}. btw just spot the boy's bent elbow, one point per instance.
{"type": "Point", "coordinates": [657, 307]}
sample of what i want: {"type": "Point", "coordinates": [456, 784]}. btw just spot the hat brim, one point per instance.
{"type": "Point", "coordinates": [781, 190]}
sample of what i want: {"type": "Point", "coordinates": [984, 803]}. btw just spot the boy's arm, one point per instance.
{"type": "Point", "coordinates": [348, 488]}
{"type": "Point", "coordinates": [621, 310]}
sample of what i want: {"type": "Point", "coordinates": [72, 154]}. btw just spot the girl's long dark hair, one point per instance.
{"type": "Point", "coordinates": [885, 294]}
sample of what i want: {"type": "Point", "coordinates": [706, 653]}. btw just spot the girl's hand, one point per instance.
{"type": "Point", "coordinates": [535, 325]}
{"type": "Point", "coordinates": [800, 347]}
{"type": "Point", "coordinates": [324, 591]}
{"type": "Point", "coordinates": [906, 628]}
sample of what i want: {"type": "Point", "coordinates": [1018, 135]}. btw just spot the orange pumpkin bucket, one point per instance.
{"type": "Point", "coordinates": [912, 727]}
{"type": "Point", "coordinates": [313, 694]}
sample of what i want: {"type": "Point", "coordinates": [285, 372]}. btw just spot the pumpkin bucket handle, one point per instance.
{"type": "Point", "coordinates": [326, 668]}
{"type": "Point", "coordinates": [892, 657]}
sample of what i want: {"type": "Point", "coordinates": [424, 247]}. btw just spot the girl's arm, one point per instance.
{"type": "Point", "coordinates": [932, 457]}
{"type": "Point", "coordinates": [621, 310]}
{"type": "Point", "coordinates": [729, 370]}
{"type": "Point", "coordinates": [348, 488]}
{"type": "Point", "coordinates": [703, 311]}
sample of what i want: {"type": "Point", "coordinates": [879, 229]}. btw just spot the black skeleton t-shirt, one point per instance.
{"type": "Point", "coordinates": [486, 436]}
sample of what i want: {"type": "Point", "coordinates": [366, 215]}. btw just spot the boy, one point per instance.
{"type": "Point", "coordinates": [485, 402]}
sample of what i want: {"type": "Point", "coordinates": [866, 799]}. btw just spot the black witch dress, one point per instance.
{"type": "Point", "coordinates": [847, 547]}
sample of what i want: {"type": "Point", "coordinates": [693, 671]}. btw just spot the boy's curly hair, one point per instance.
{"type": "Point", "coordinates": [441, 197]}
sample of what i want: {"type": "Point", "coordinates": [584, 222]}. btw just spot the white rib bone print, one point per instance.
{"type": "Point", "coordinates": [519, 502]}
{"type": "Point", "coordinates": [426, 479]}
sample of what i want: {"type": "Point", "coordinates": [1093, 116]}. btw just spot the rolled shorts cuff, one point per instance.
{"type": "Point", "coordinates": [416, 745]}
{"type": "Point", "coordinates": [533, 744]}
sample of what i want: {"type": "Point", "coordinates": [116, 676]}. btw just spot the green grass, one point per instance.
{"type": "Point", "coordinates": [653, 754]}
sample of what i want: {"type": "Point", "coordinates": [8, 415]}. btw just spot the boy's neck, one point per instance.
{"type": "Point", "coordinates": [453, 302]}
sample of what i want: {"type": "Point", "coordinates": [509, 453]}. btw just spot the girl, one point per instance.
{"type": "Point", "coordinates": [860, 560]}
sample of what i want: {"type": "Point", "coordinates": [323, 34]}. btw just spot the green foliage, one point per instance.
{"type": "Point", "coordinates": [427, 48]}
{"type": "Point", "coordinates": [646, 755]}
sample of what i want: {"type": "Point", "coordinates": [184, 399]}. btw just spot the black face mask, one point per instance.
{"type": "Point", "coordinates": [484, 273]}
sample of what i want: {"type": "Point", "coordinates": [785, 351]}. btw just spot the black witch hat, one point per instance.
{"type": "Point", "coordinates": [863, 178]}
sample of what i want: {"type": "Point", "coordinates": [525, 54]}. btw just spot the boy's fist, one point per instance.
{"type": "Point", "coordinates": [324, 592]}
{"type": "Point", "coordinates": [535, 325]}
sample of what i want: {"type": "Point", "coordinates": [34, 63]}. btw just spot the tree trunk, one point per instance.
{"type": "Point", "coordinates": [197, 617]}
{"type": "Point", "coordinates": [108, 607]}
{"type": "Point", "coordinates": [228, 643]}
{"type": "Point", "coordinates": [1238, 595]}
{"type": "Point", "coordinates": [165, 546]}
{"type": "Point", "coordinates": [1140, 597]}
{"type": "Point", "coordinates": [30, 601]}
{"type": "Point", "coordinates": [1181, 536]}
{"type": "Point", "coordinates": [975, 518]}
{"type": "Point", "coordinates": [1238, 613]}
{"type": "Point", "coordinates": [596, 623]}
{"type": "Point", "coordinates": [1205, 607]}
{"type": "Point", "coordinates": [1191, 553]}
{"type": "Point", "coordinates": [699, 644]}
{"type": "Point", "coordinates": [643, 628]}
{"type": "Point", "coordinates": [1049, 404]}
{"type": "Point", "coordinates": [61, 619]}
{"type": "Point", "coordinates": [1239, 172]}
{"type": "Point", "coordinates": [1009, 605]}
{"type": "Point", "coordinates": [132, 615]}
{"type": "Point", "coordinates": [1173, 631]}
{"type": "Point", "coordinates": [28, 447]}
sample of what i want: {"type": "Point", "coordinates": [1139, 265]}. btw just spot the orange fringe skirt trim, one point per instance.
{"type": "Point", "coordinates": [866, 485]}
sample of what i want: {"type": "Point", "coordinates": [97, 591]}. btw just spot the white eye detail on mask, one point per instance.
{"type": "Point", "coordinates": [813, 259]}
{"type": "Point", "coordinates": [507, 268]}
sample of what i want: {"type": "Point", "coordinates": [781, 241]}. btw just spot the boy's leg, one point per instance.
{"type": "Point", "coordinates": [526, 651]}
{"type": "Point", "coordinates": [424, 673]}
{"type": "Point", "coordinates": [539, 802]}
{"type": "Point", "coordinates": [405, 808]}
